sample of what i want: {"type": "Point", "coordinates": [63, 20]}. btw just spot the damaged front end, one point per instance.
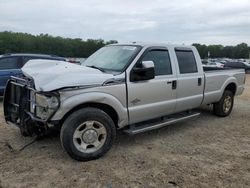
{"type": "Point", "coordinates": [27, 108]}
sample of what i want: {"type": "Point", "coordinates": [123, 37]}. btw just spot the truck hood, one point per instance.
{"type": "Point", "coordinates": [50, 75]}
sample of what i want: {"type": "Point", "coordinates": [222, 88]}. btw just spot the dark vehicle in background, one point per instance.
{"type": "Point", "coordinates": [11, 64]}
{"type": "Point", "coordinates": [238, 65]}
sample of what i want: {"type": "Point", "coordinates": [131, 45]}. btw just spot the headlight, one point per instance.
{"type": "Point", "coordinates": [45, 105]}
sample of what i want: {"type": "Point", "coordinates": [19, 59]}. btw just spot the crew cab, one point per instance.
{"type": "Point", "coordinates": [11, 64]}
{"type": "Point", "coordinates": [128, 87]}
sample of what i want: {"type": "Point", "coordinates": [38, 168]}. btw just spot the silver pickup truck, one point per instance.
{"type": "Point", "coordinates": [128, 87]}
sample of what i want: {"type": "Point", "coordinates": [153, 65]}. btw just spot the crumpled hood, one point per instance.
{"type": "Point", "coordinates": [50, 75]}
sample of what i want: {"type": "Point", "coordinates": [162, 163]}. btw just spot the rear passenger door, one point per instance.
{"type": "Point", "coordinates": [156, 97]}
{"type": "Point", "coordinates": [9, 66]}
{"type": "Point", "coordinates": [190, 80]}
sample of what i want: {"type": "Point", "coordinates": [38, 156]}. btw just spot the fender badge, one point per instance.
{"type": "Point", "coordinates": [135, 101]}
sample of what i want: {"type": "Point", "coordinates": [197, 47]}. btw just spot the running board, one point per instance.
{"type": "Point", "coordinates": [143, 127]}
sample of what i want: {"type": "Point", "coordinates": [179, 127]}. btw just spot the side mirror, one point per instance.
{"type": "Point", "coordinates": [146, 71]}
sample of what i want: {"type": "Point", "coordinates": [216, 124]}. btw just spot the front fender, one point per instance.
{"type": "Point", "coordinates": [92, 97]}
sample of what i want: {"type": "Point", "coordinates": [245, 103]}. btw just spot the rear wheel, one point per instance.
{"type": "Point", "coordinates": [224, 107]}
{"type": "Point", "coordinates": [87, 134]}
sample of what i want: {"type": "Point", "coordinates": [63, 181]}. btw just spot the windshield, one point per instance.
{"type": "Point", "coordinates": [112, 58]}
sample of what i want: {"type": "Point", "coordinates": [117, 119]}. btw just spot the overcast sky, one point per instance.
{"type": "Point", "coordinates": [176, 21]}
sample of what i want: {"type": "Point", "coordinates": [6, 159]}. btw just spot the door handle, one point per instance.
{"type": "Point", "coordinates": [199, 81]}
{"type": "Point", "coordinates": [174, 84]}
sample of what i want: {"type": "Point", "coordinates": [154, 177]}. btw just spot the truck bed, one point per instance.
{"type": "Point", "coordinates": [217, 80]}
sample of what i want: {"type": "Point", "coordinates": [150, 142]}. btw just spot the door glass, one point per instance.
{"type": "Point", "coordinates": [27, 58]}
{"type": "Point", "coordinates": [161, 61]}
{"type": "Point", "coordinates": [8, 63]}
{"type": "Point", "coordinates": [186, 61]}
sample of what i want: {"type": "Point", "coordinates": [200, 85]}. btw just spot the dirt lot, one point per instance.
{"type": "Point", "coordinates": [204, 152]}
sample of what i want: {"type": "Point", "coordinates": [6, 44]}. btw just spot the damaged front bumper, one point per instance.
{"type": "Point", "coordinates": [27, 108]}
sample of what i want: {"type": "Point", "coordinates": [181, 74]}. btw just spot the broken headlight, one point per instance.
{"type": "Point", "coordinates": [46, 105]}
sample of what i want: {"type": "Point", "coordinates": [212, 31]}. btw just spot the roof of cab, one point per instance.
{"type": "Point", "coordinates": [144, 44]}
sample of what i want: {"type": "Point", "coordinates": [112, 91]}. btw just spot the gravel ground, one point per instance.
{"type": "Point", "coordinates": [204, 152]}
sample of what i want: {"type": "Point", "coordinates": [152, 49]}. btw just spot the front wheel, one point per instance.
{"type": "Point", "coordinates": [87, 134]}
{"type": "Point", "coordinates": [224, 107]}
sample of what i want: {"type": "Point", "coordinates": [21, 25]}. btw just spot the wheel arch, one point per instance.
{"type": "Point", "coordinates": [230, 84]}
{"type": "Point", "coordinates": [231, 87]}
{"type": "Point", "coordinates": [103, 101]}
{"type": "Point", "coordinates": [104, 107]}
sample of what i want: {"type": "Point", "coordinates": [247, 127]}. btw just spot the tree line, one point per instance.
{"type": "Point", "coordinates": [12, 42]}
{"type": "Point", "coordinates": [216, 51]}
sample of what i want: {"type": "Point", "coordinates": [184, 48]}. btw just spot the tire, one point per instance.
{"type": "Point", "coordinates": [220, 108]}
{"type": "Point", "coordinates": [87, 134]}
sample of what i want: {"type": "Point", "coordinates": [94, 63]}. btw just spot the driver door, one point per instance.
{"type": "Point", "coordinates": [148, 99]}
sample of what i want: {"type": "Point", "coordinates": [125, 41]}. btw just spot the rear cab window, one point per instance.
{"type": "Point", "coordinates": [186, 61]}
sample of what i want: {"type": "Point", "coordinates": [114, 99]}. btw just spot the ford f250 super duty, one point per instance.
{"type": "Point", "coordinates": [128, 87]}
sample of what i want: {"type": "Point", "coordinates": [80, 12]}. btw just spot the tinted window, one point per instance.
{"type": "Point", "coordinates": [186, 61]}
{"type": "Point", "coordinates": [161, 61]}
{"type": "Point", "coordinates": [8, 63]}
{"type": "Point", "coordinates": [26, 59]}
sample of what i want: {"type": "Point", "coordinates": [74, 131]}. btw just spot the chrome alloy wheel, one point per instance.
{"type": "Point", "coordinates": [89, 136]}
{"type": "Point", "coordinates": [227, 104]}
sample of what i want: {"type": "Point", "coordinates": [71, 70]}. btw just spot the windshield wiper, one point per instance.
{"type": "Point", "coordinates": [94, 67]}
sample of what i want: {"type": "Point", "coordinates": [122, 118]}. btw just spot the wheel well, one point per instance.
{"type": "Point", "coordinates": [104, 107]}
{"type": "Point", "coordinates": [231, 87]}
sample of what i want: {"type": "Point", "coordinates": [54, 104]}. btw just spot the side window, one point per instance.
{"type": "Point", "coordinates": [186, 61]}
{"type": "Point", "coordinates": [161, 61]}
{"type": "Point", "coordinates": [27, 58]}
{"type": "Point", "coordinates": [8, 63]}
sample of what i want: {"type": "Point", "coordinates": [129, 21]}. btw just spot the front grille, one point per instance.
{"type": "Point", "coordinates": [20, 107]}
{"type": "Point", "coordinates": [17, 99]}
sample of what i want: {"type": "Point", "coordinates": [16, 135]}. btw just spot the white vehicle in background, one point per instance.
{"type": "Point", "coordinates": [214, 65]}
{"type": "Point", "coordinates": [223, 62]}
